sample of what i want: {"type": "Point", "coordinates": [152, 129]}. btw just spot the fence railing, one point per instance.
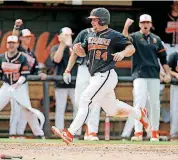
{"type": "Point", "coordinates": [46, 100]}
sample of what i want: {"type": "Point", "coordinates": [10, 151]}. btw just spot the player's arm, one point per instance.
{"type": "Point", "coordinates": [16, 29]}
{"type": "Point", "coordinates": [122, 47]}
{"type": "Point", "coordinates": [58, 55]}
{"type": "Point", "coordinates": [128, 23]}
{"type": "Point", "coordinates": [71, 62]}
{"type": "Point", "coordinates": [163, 60]}
{"type": "Point", "coordinates": [172, 62]}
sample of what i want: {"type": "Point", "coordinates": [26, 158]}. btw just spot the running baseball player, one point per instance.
{"type": "Point", "coordinates": [104, 47]}
{"type": "Point", "coordinates": [14, 67]}
{"type": "Point", "coordinates": [17, 119]}
{"type": "Point", "coordinates": [146, 73]}
{"type": "Point", "coordinates": [173, 63]}
{"type": "Point", "coordinates": [82, 81]}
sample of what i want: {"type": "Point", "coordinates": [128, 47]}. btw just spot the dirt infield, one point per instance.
{"type": "Point", "coordinates": [90, 151]}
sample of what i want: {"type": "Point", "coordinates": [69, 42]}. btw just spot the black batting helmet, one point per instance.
{"type": "Point", "coordinates": [102, 14]}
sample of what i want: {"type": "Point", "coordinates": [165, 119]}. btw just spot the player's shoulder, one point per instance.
{"type": "Point", "coordinates": [155, 36]}
{"type": "Point", "coordinates": [115, 34]}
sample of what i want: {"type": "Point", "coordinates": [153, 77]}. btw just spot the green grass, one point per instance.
{"type": "Point", "coordinates": [55, 141]}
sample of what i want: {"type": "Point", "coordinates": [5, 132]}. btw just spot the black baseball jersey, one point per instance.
{"type": "Point", "coordinates": [173, 61]}
{"type": "Point", "coordinates": [32, 60]}
{"type": "Point", "coordinates": [145, 59]}
{"type": "Point", "coordinates": [60, 67]}
{"type": "Point", "coordinates": [100, 46]}
{"type": "Point", "coordinates": [12, 68]}
{"type": "Point", "coordinates": [80, 38]}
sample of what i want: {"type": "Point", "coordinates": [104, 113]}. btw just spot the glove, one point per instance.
{"type": "Point", "coordinates": [67, 77]}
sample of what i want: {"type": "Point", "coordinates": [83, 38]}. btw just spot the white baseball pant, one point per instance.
{"type": "Point", "coordinates": [17, 119]}
{"type": "Point", "coordinates": [82, 81]}
{"type": "Point", "coordinates": [22, 97]}
{"type": "Point", "coordinates": [174, 109]}
{"type": "Point", "coordinates": [101, 90]}
{"type": "Point", "coordinates": [61, 95]}
{"type": "Point", "coordinates": [147, 89]}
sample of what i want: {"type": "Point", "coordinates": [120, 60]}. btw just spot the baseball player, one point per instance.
{"type": "Point", "coordinates": [105, 47]}
{"type": "Point", "coordinates": [173, 63]}
{"type": "Point", "coordinates": [60, 55]}
{"type": "Point", "coordinates": [82, 81]}
{"type": "Point", "coordinates": [14, 67]}
{"type": "Point", "coordinates": [146, 72]}
{"type": "Point", "coordinates": [17, 119]}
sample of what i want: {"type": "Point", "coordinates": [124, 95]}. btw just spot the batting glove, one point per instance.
{"type": "Point", "coordinates": [67, 77]}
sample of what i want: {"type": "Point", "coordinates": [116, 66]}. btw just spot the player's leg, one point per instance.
{"type": "Point", "coordinates": [31, 115]}
{"type": "Point", "coordinates": [14, 117]}
{"type": "Point", "coordinates": [61, 101]}
{"type": "Point", "coordinates": [140, 96]}
{"type": "Point", "coordinates": [128, 128]}
{"type": "Point", "coordinates": [33, 122]}
{"type": "Point", "coordinates": [98, 87]}
{"type": "Point", "coordinates": [101, 84]}
{"type": "Point", "coordinates": [22, 123]}
{"type": "Point", "coordinates": [93, 122]}
{"type": "Point", "coordinates": [174, 111]}
{"type": "Point", "coordinates": [154, 101]}
{"type": "Point", "coordinates": [5, 95]}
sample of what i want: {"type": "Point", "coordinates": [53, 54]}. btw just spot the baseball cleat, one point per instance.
{"type": "Point", "coordinates": [64, 134]}
{"type": "Point", "coordinates": [144, 120]}
{"type": "Point", "coordinates": [138, 136]}
{"type": "Point", "coordinates": [91, 137]}
{"type": "Point", "coordinates": [154, 136]}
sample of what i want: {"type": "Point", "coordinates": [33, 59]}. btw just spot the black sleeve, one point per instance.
{"type": "Point", "coordinates": [35, 70]}
{"type": "Point", "coordinates": [162, 55]}
{"type": "Point", "coordinates": [172, 60]}
{"type": "Point", "coordinates": [25, 68]}
{"type": "Point", "coordinates": [120, 42]}
{"type": "Point", "coordinates": [81, 36]}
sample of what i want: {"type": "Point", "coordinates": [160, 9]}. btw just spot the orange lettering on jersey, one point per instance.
{"type": "Point", "coordinates": [94, 46]}
{"type": "Point", "coordinates": [10, 67]}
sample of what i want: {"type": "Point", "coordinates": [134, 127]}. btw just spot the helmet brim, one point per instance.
{"type": "Point", "coordinates": [92, 17]}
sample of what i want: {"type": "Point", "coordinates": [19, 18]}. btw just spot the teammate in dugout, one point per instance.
{"type": "Point", "coordinates": [173, 64]}
{"type": "Point", "coordinates": [105, 47]}
{"type": "Point", "coordinates": [17, 119]}
{"type": "Point", "coordinates": [14, 68]}
{"type": "Point", "coordinates": [60, 54]}
{"type": "Point", "coordinates": [146, 73]}
{"type": "Point", "coordinates": [82, 81]}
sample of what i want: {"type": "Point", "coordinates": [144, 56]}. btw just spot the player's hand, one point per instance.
{"type": "Point", "coordinates": [67, 77]}
{"type": "Point", "coordinates": [43, 76]}
{"type": "Point", "coordinates": [65, 38]}
{"type": "Point", "coordinates": [167, 78]}
{"type": "Point", "coordinates": [161, 76]}
{"type": "Point", "coordinates": [78, 49]}
{"type": "Point", "coordinates": [119, 56]}
{"type": "Point", "coordinates": [128, 22]}
{"type": "Point", "coordinates": [18, 22]}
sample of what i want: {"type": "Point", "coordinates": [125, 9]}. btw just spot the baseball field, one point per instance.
{"type": "Point", "coordinates": [87, 150]}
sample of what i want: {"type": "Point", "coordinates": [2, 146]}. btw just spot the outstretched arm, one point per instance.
{"type": "Point", "coordinates": [17, 25]}
{"type": "Point", "coordinates": [128, 23]}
